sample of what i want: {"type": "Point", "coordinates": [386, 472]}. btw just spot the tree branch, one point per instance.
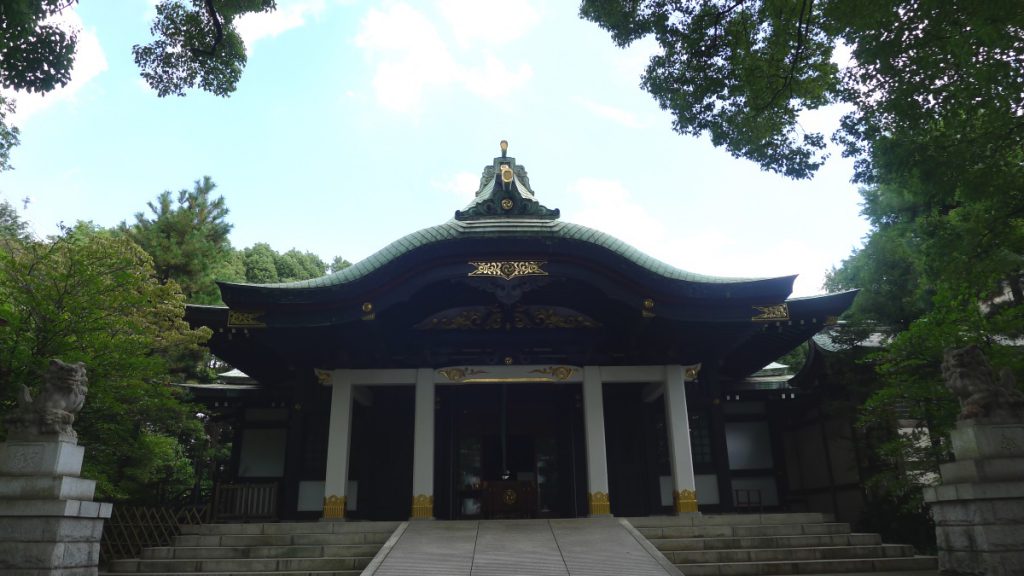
{"type": "Point", "coordinates": [211, 11]}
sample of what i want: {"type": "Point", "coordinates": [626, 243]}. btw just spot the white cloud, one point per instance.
{"type": "Point", "coordinates": [90, 62]}
{"type": "Point", "coordinates": [491, 22]}
{"type": "Point", "coordinates": [411, 54]}
{"type": "Point", "coordinates": [288, 15]}
{"type": "Point", "coordinates": [609, 206]}
{"type": "Point", "coordinates": [462, 185]}
{"type": "Point", "coordinates": [617, 115]}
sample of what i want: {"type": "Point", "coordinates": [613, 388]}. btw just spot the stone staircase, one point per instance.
{"type": "Point", "coordinates": [308, 548]}
{"type": "Point", "coordinates": [776, 544]}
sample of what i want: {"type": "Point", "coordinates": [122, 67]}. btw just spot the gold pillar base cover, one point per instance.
{"type": "Point", "coordinates": [334, 507]}
{"type": "Point", "coordinates": [599, 503]}
{"type": "Point", "coordinates": [423, 506]}
{"type": "Point", "coordinates": [685, 500]}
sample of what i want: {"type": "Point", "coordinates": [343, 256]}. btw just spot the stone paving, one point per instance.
{"type": "Point", "coordinates": [567, 547]}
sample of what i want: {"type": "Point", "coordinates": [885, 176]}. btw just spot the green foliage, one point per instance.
{"type": "Point", "coordinates": [196, 46]}
{"type": "Point", "coordinates": [8, 134]}
{"type": "Point", "coordinates": [35, 55]}
{"type": "Point", "coordinates": [187, 238]}
{"type": "Point", "coordinates": [338, 264]}
{"type": "Point", "coordinates": [92, 295]}
{"type": "Point", "coordinates": [743, 72]}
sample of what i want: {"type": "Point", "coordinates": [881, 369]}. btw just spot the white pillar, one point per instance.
{"type": "Point", "coordinates": [597, 458]}
{"type": "Point", "coordinates": [338, 440]}
{"type": "Point", "coordinates": [423, 446]}
{"type": "Point", "coordinates": [684, 494]}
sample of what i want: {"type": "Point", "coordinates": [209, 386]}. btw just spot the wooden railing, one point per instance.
{"type": "Point", "coordinates": [245, 502]}
{"type": "Point", "coordinates": [132, 528]}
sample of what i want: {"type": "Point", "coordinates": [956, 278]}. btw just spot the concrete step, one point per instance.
{"type": "Point", "coordinates": [667, 544]}
{"type": "Point", "coordinates": [279, 573]}
{"type": "Point", "coordinates": [290, 528]}
{"type": "Point", "coordinates": [744, 531]}
{"type": "Point", "coordinates": [793, 554]}
{"type": "Point", "coordinates": [928, 564]}
{"type": "Point", "coordinates": [234, 565]}
{"type": "Point", "coordinates": [197, 540]}
{"type": "Point", "coordinates": [732, 519]}
{"type": "Point", "coordinates": [287, 551]}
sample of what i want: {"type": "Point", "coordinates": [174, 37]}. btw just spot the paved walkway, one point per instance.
{"type": "Point", "coordinates": [570, 547]}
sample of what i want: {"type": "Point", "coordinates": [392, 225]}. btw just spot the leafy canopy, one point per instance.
{"type": "Point", "coordinates": [91, 295]}
{"type": "Point", "coordinates": [195, 45]}
{"type": "Point", "coordinates": [743, 72]}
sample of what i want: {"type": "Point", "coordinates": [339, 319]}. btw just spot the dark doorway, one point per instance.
{"type": "Point", "coordinates": [493, 438]}
{"type": "Point", "coordinates": [380, 461]}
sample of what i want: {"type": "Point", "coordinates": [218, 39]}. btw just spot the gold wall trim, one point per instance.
{"type": "Point", "coordinates": [334, 507]}
{"type": "Point", "coordinates": [459, 374]}
{"type": "Point", "coordinates": [246, 319]}
{"type": "Point", "coordinates": [771, 313]}
{"type": "Point", "coordinates": [423, 506]}
{"type": "Point", "coordinates": [559, 373]}
{"type": "Point", "coordinates": [508, 269]}
{"type": "Point", "coordinates": [685, 500]}
{"type": "Point", "coordinates": [599, 503]}
{"type": "Point", "coordinates": [467, 375]}
{"type": "Point", "coordinates": [324, 377]}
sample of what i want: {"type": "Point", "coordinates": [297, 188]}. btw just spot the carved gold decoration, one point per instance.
{"type": "Point", "coordinates": [770, 313]}
{"type": "Point", "coordinates": [423, 506]}
{"type": "Point", "coordinates": [459, 374]}
{"type": "Point", "coordinates": [334, 507]}
{"type": "Point", "coordinates": [560, 373]}
{"type": "Point", "coordinates": [506, 203]}
{"type": "Point", "coordinates": [509, 497]}
{"type": "Point", "coordinates": [368, 312]}
{"type": "Point", "coordinates": [506, 174]}
{"type": "Point", "coordinates": [323, 376]}
{"type": "Point", "coordinates": [508, 269]}
{"type": "Point", "coordinates": [246, 319]}
{"type": "Point", "coordinates": [648, 308]}
{"type": "Point", "coordinates": [692, 372]}
{"type": "Point", "coordinates": [551, 317]}
{"type": "Point", "coordinates": [685, 500]}
{"type": "Point", "coordinates": [599, 503]}
{"type": "Point", "coordinates": [508, 360]}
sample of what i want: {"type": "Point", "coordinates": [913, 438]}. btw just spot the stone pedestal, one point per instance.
{"type": "Point", "coordinates": [979, 507]}
{"type": "Point", "coordinates": [48, 521]}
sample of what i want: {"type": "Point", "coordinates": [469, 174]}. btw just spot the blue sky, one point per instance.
{"type": "Point", "coordinates": [358, 122]}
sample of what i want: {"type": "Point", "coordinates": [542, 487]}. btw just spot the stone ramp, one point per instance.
{"type": "Point", "coordinates": [565, 547]}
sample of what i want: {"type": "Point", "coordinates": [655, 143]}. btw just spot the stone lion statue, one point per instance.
{"type": "Point", "coordinates": [53, 410]}
{"type": "Point", "coordinates": [968, 374]}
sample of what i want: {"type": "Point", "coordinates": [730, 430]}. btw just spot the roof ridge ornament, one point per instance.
{"type": "Point", "coordinates": [505, 193]}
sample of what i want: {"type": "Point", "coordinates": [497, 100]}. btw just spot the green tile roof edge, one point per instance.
{"type": "Point", "coordinates": [453, 230]}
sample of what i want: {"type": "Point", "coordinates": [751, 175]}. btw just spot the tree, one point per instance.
{"type": "Point", "coordinates": [187, 238]}
{"type": "Point", "coordinates": [196, 45]}
{"type": "Point", "coordinates": [743, 71]}
{"type": "Point", "coordinates": [91, 295]}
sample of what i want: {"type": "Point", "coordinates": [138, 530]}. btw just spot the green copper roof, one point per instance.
{"type": "Point", "coordinates": [504, 228]}
{"type": "Point", "coordinates": [505, 206]}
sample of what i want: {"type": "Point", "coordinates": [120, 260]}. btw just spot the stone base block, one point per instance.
{"type": "Point", "coordinates": [978, 537]}
{"type": "Point", "coordinates": [973, 440]}
{"type": "Point", "coordinates": [58, 508]}
{"type": "Point", "coordinates": [34, 545]}
{"type": "Point", "coordinates": [989, 470]}
{"type": "Point", "coordinates": [46, 487]}
{"type": "Point", "coordinates": [23, 458]}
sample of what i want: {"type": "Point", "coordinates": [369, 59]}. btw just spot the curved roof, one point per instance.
{"type": "Point", "coordinates": [501, 228]}
{"type": "Point", "coordinates": [505, 207]}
